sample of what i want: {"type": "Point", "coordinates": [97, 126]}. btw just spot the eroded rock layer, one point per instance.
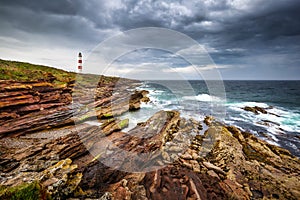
{"type": "Point", "coordinates": [26, 107]}
{"type": "Point", "coordinates": [48, 150]}
{"type": "Point", "coordinates": [221, 163]}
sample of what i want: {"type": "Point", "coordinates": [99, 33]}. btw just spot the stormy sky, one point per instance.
{"type": "Point", "coordinates": [245, 39]}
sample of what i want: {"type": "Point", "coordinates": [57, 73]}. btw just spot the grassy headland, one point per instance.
{"type": "Point", "coordinates": [21, 71]}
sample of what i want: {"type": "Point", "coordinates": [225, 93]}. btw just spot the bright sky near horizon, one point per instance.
{"type": "Point", "coordinates": [246, 39]}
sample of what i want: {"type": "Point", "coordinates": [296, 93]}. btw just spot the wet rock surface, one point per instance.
{"type": "Point", "coordinates": [259, 110]}
{"type": "Point", "coordinates": [165, 157]}
{"type": "Point", "coordinates": [255, 109]}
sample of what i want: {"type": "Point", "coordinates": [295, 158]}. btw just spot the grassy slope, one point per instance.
{"type": "Point", "coordinates": [20, 71]}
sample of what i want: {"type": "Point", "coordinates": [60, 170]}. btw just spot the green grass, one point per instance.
{"type": "Point", "coordinates": [25, 191]}
{"type": "Point", "coordinates": [21, 71]}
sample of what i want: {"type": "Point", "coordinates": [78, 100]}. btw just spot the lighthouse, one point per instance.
{"type": "Point", "coordinates": [79, 62]}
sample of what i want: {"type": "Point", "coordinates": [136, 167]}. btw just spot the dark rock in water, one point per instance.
{"type": "Point", "coordinates": [268, 123]}
{"type": "Point", "coordinates": [271, 122]}
{"type": "Point", "coordinates": [255, 109]}
{"type": "Point", "coordinates": [258, 110]}
{"type": "Point", "coordinates": [136, 99]}
{"type": "Point", "coordinates": [274, 114]}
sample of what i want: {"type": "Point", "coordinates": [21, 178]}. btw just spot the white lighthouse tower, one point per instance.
{"type": "Point", "coordinates": [79, 62]}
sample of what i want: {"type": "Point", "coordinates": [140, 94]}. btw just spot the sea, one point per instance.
{"type": "Point", "coordinates": [197, 99]}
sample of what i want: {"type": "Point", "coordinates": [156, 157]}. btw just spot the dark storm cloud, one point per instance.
{"type": "Point", "coordinates": [233, 21]}
{"type": "Point", "coordinates": [233, 31]}
{"type": "Point", "coordinates": [260, 27]}
{"type": "Point", "coordinates": [54, 7]}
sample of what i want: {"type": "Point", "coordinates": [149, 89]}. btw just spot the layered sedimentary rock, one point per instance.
{"type": "Point", "coordinates": [32, 105]}
{"type": "Point", "coordinates": [178, 160]}
{"type": "Point", "coordinates": [26, 107]}
{"type": "Point", "coordinates": [48, 150]}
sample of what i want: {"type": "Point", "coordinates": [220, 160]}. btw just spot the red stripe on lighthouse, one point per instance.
{"type": "Point", "coordinates": [79, 62]}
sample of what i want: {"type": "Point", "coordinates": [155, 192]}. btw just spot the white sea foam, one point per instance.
{"type": "Point", "coordinates": [146, 105]}
{"type": "Point", "coordinates": [240, 105]}
{"type": "Point", "coordinates": [278, 111]}
{"type": "Point", "coordinates": [154, 92]}
{"type": "Point", "coordinates": [196, 116]}
{"type": "Point", "coordinates": [272, 142]}
{"type": "Point", "coordinates": [242, 129]}
{"type": "Point", "coordinates": [229, 122]}
{"type": "Point", "coordinates": [202, 97]}
{"type": "Point", "coordinates": [287, 120]}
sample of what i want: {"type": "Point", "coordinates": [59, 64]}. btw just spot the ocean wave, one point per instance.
{"type": "Point", "coordinates": [154, 92]}
{"type": "Point", "coordinates": [202, 97]}
{"type": "Point", "coordinates": [196, 116]}
{"type": "Point", "coordinates": [239, 105]}
{"type": "Point", "coordinates": [278, 111]}
{"type": "Point", "coordinates": [284, 120]}
{"type": "Point", "coordinates": [146, 105]}
{"type": "Point", "coordinates": [272, 142]}
{"type": "Point", "coordinates": [288, 120]}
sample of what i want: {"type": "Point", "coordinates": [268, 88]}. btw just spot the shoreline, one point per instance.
{"type": "Point", "coordinates": [229, 164]}
{"type": "Point", "coordinates": [47, 149]}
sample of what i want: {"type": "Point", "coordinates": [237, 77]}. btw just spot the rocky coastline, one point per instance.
{"type": "Point", "coordinates": [50, 151]}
